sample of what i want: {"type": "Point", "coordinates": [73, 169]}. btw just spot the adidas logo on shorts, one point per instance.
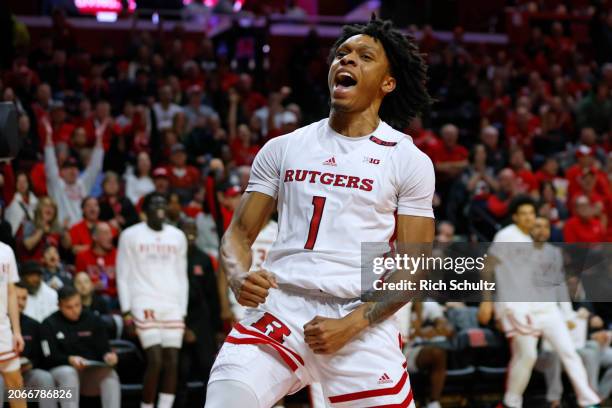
{"type": "Point", "coordinates": [385, 379]}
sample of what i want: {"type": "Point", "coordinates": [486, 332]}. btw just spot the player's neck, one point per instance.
{"type": "Point", "coordinates": [353, 124]}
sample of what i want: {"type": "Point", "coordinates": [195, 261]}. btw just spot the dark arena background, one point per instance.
{"type": "Point", "coordinates": [182, 94]}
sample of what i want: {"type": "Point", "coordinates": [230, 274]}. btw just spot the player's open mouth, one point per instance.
{"type": "Point", "coordinates": [344, 81]}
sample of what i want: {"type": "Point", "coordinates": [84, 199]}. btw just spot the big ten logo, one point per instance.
{"type": "Point", "coordinates": [272, 327]}
{"type": "Point", "coordinates": [371, 160]}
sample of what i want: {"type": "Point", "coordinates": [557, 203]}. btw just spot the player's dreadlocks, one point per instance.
{"type": "Point", "coordinates": [410, 96]}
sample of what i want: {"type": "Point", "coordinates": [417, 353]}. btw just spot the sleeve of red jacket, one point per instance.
{"type": "Point", "coordinates": [496, 206]}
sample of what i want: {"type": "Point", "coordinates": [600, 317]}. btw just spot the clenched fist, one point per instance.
{"type": "Point", "coordinates": [253, 289]}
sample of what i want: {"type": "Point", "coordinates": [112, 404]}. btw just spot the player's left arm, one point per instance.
{"type": "Point", "coordinates": [326, 336]}
{"type": "Point", "coordinates": [13, 312]}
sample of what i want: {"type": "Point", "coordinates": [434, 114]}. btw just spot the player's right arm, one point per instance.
{"type": "Point", "coordinates": [250, 217]}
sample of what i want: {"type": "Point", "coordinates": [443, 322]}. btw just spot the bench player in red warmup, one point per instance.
{"type": "Point", "coordinates": [335, 183]}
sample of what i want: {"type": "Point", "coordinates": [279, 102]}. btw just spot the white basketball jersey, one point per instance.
{"type": "Point", "coordinates": [8, 274]}
{"type": "Point", "coordinates": [334, 193]}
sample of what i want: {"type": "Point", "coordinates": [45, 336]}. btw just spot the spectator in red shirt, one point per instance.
{"type": "Point", "coordinates": [586, 160]}
{"type": "Point", "coordinates": [424, 139]}
{"type": "Point", "coordinates": [98, 261]}
{"type": "Point", "coordinates": [495, 107]}
{"type": "Point", "coordinates": [242, 147]}
{"type": "Point", "coordinates": [184, 178]}
{"type": "Point", "coordinates": [101, 119]}
{"type": "Point", "coordinates": [509, 186]}
{"type": "Point", "coordinates": [521, 128]}
{"type": "Point", "coordinates": [521, 169]}
{"type": "Point", "coordinates": [228, 195]}
{"type": "Point", "coordinates": [584, 226]}
{"type": "Point", "coordinates": [81, 232]}
{"type": "Point", "coordinates": [450, 159]}
{"type": "Point", "coordinates": [62, 129]}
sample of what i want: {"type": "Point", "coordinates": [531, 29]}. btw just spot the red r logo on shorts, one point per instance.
{"type": "Point", "coordinates": [272, 327]}
{"type": "Point", "coordinates": [149, 314]}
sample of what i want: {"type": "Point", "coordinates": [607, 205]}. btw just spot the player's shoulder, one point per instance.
{"type": "Point", "coordinates": [174, 231]}
{"type": "Point", "coordinates": [511, 233]}
{"type": "Point", "coordinates": [134, 229]}
{"type": "Point", "coordinates": [5, 249]}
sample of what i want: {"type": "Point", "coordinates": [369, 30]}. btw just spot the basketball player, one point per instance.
{"type": "Point", "coordinates": [11, 342]}
{"type": "Point", "coordinates": [335, 183]}
{"type": "Point", "coordinates": [152, 285]}
{"type": "Point", "coordinates": [516, 266]}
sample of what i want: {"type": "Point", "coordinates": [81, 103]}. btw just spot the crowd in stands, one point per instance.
{"type": "Point", "coordinates": [101, 130]}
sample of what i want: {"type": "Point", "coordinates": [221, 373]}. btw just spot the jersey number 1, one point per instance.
{"type": "Point", "coordinates": [318, 204]}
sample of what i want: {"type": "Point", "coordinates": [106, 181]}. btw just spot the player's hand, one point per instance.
{"type": "Point", "coordinates": [77, 362]}
{"type": "Point", "coordinates": [111, 358]}
{"type": "Point", "coordinates": [326, 335]}
{"type": "Point", "coordinates": [18, 343]}
{"type": "Point", "coordinates": [189, 336]}
{"type": "Point", "coordinates": [254, 288]}
{"type": "Point", "coordinates": [128, 325]}
{"type": "Point", "coordinates": [485, 313]}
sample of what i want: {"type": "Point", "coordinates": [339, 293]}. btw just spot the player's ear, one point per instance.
{"type": "Point", "coordinates": [388, 84]}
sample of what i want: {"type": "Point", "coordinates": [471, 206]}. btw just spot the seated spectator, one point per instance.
{"type": "Point", "coordinates": [67, 187]}
{"type": "Point", "coordinates": [42, 300]}
{"type": "Point", "coordinates": [77, 350]}
{"type": "Point", "coordinates": [523, 172]}
{"type": "Point", "coordinates": [424, 139]}
{"type": "Point", "coordinates": [228, 195]}
{"type": "Point", "coordinates": [596, 109]}
{"type": "Point", "coordinates": [116, 209]}
{"type": "Point", "coordinates": [100, 122]}
{"type": "Point", "coordinates": [243, 147]}
{"type": "Point", "coordinates": [34, 376]}
{"type": "Point", "coordinates": [427, 323]}
{"type": "Point", "coordinates": [549, 172]}
{"type": "Point", "coordinates": [161, 183]}
{"type": "Point", "coordinates": [553, 209]}
{"type": "Point", "coordinates": [99, 260]}
{"type": "Point", "coordinates": [138, 182]}
{"type": "Point", "coordinates": [23, 205]}
{"type": "Point", "coordinates": [195, 111]}
{"type": "Point", "coordinates": [450, 159]}
{"type": "Point", "coordinates": [498, 203]}
{"type": "Point", "coordinates": [54, 273]}
{"type": "Point", "coordinates": [165, 109]}
{"type": "Point", "coordinates": [41, 232]}
{"type": "Point", "coordinates": [89, 298]}
{"type": "Point", "coordinates": [496, 155]}
{"type": "Point", "coordinates": [585, 160]}
{"type": "Point", "coordinates": [80, 233]}
{"type": "Point", "coordinates": [184, 178]}
{"type": "Point", "coordinates": [584, 226]}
